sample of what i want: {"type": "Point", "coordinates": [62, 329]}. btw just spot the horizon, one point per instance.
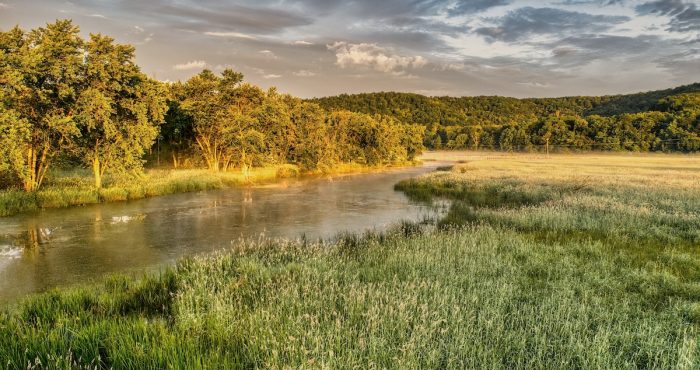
{"type": "Point", "coordinates": [314, 49]}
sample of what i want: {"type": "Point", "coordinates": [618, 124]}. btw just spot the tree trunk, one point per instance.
{"type": "Point", "coordinates": [96, 170]}
{"type": "Point", "coordinates": [29, 180]}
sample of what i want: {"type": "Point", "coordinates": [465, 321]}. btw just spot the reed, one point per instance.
{"type": "Point", "coordinates": [576, 265]}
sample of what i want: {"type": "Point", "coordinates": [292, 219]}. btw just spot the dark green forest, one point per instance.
{"type": "Point", "coordinates": [664, 120]}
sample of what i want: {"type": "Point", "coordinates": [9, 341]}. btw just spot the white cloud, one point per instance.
{"type": "Point", "coordinates": [195, 64]}
{"type": "Point", "coordinates": [453, 67]}
{"type": "Point", "coordinates": [139, 29]}
{"type": "Point", "coordinates": [373, 56]}
{"type": "Point", "coordinates": [304, 73]}
{"type": "Point", "coordinates": [237, 35]}
{"type": "Point", "coordinates": [268, 54]}
{"type": "Point", "coordinates": [3, 5]}
{"type": "Point", "coordinates": [97, 16]}
{"type": "Point", "coordinates": [533, 84]}
{"type": "Point", "coordinates": [271, 76]}
{"type": "Point", "coordinates": [302, 42]}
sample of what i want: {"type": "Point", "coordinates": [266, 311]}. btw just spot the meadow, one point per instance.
{"type": "Point", "coordinates": [560, 261]}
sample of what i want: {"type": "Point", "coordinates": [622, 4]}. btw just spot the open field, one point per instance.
{"type": "Point", "coordinates": [567, 261]}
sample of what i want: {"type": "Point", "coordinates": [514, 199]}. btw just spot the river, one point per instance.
{"type": "Point", "coordinates": [58, 247]}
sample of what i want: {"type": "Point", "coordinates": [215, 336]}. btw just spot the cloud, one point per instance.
{"type": "Point", "coordinates": [268, 54]}
{"type": "Point", "coordinates": [684, 16]}
{"type": "Point", "coordinates": [522, 23]}
{"type": "Point", "coordinates": [97, 16]}
{"type": "Point", "coordinates": [195, 64]}
{"type": "Point", "coordinates": [304, 73]}
{"type": "Point", "coordinates": [236, 35]}
{"type": "Point", "coordinates": [373, 56]}
{"type": "Point", "coordinates": [593, 2]}
{"type": "Point", "coordinates": [3, 5]}
{"type": "Point", "coordinates": [453, 46]}
{"type": "Point", "coordinates": [474, 6]}
{"type": "Point", "coordinates": [422, 24]}
{"type": "Point", "coordinates": [194, 15]}
{"type": "Point", "coordinates": [533, 84]}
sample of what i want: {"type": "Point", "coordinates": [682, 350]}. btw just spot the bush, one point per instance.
{"type": "Point", "coordinates": [288, 170]}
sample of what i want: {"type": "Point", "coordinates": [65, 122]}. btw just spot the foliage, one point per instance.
{"type": "Point", "coordinates": [665, 120]}
{"type": "Point", "coordinates": [119, 109]}
{"type": "Point", "coordinates": [39, 71]}
{"type": "Point", "coordinates": [86, 101]}
{"type": "Point", "coordinates": [62, 95]}
{"type": "Point", "coordinates": [239, 125]}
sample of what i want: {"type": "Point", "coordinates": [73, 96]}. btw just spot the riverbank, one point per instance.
{"type": "Point", "coordinates": [552, 262]}
{"type": "Point", "coordinates": [75, 188]}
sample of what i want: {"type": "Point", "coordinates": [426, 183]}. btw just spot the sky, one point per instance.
{"type": "Point", "coordinates": [313, 48]}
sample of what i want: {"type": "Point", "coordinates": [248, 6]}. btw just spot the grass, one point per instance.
{"type": "Point", "coordinates": [75, 187]}
{"type": "Point", "coordinates": [576, 264]}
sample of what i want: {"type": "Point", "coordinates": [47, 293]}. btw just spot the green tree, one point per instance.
{"type": "Point", "coordinates": [412, 140]}
{"type": "Point", "coordinates": [119, 109]}
{"type": "Point", "coordinates": [313, 147]}
{"type": "Point", "coordinates": [208, 100]}
{"type": "Point", "coordinates": [40, 73]}
{"type": "Point", "coordinates": [474, 133]}
{"type": "Point", "coordinates": [273, 117]}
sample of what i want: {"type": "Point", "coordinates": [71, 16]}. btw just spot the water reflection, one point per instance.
{"type": "Point", "coordinates": [57, 247]}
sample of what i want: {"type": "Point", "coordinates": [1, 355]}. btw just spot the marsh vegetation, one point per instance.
{"type": "Point", "coordinates": [584, 261]}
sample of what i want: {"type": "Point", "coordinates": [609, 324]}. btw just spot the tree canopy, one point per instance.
{"type": "Point", "coordinates": [64, 95]}
{"type": "Point", "coordinates": [665, 120]}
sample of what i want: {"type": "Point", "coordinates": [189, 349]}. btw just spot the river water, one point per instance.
{"type": "Point", "coordinates": [59, 247]}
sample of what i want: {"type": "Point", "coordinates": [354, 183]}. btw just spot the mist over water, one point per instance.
{"type": "Point", "coordinates": [58, 247]}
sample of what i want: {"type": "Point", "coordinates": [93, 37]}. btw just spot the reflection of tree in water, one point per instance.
{"type": "Point", "coordinates": [247, 196]}
{"type": "Point", "coordinates": [37, 236]}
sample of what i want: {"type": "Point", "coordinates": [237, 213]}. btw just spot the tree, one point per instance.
{"type": "Point", "coordinates": [474, 133]}
{"type": "Point", "coordinates": [119, 109]}
{"type": "Point", "coordinates": [14, 135]}
{"type": "Point", "coordinates": [176, 130]}
{"type": "Point", "coordinates": [412, 140]}
{"type": "Point", "coordinates": [273, 117]}
{"type": "Point", "coordinates": [313, 147]}
{"type": "Point", "coordinates": [243, 139]}
{"type": "Point", "coordinates": [40, 73]}
{"type": "Point", "coordinates": [207, 99]}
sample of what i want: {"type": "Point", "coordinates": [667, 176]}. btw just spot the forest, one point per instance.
{"type": "Point", "coordinates": [69, 102]}
{"type": "Point", "coordinates": [665, 120]}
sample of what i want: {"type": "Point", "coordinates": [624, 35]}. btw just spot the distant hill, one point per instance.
{"type": "Point", "coordinates": [481, 120]}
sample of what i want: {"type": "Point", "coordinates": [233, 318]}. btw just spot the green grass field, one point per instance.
{"type": "Point", "coordinates": [567, 261]}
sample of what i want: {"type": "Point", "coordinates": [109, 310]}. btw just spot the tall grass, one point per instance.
{"type": "Point", "coordinates": [475, 297]}
{"type": "Point", "coordinates": [75, 188]}
{"type": "Point", "coordinates": [575, 266]}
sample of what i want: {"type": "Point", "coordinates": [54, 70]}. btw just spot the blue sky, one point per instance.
{"type": "Point", "coordinates": [434, 47]}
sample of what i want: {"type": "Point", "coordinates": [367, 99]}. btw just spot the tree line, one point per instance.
{"type": "Point", "coordinates": [235, 124]}
{"type": "Point", "coordinates": [665, 120]}
{"type": "Point", "coordinates": [86, 102]}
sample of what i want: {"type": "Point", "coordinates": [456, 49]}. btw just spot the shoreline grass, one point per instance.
{"type": "Point", "coordinates": [74, 188]}
{"type": "Point", "coordinates": [479, 297]}
{"type": "Point", "coordinates": [560, 262]}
